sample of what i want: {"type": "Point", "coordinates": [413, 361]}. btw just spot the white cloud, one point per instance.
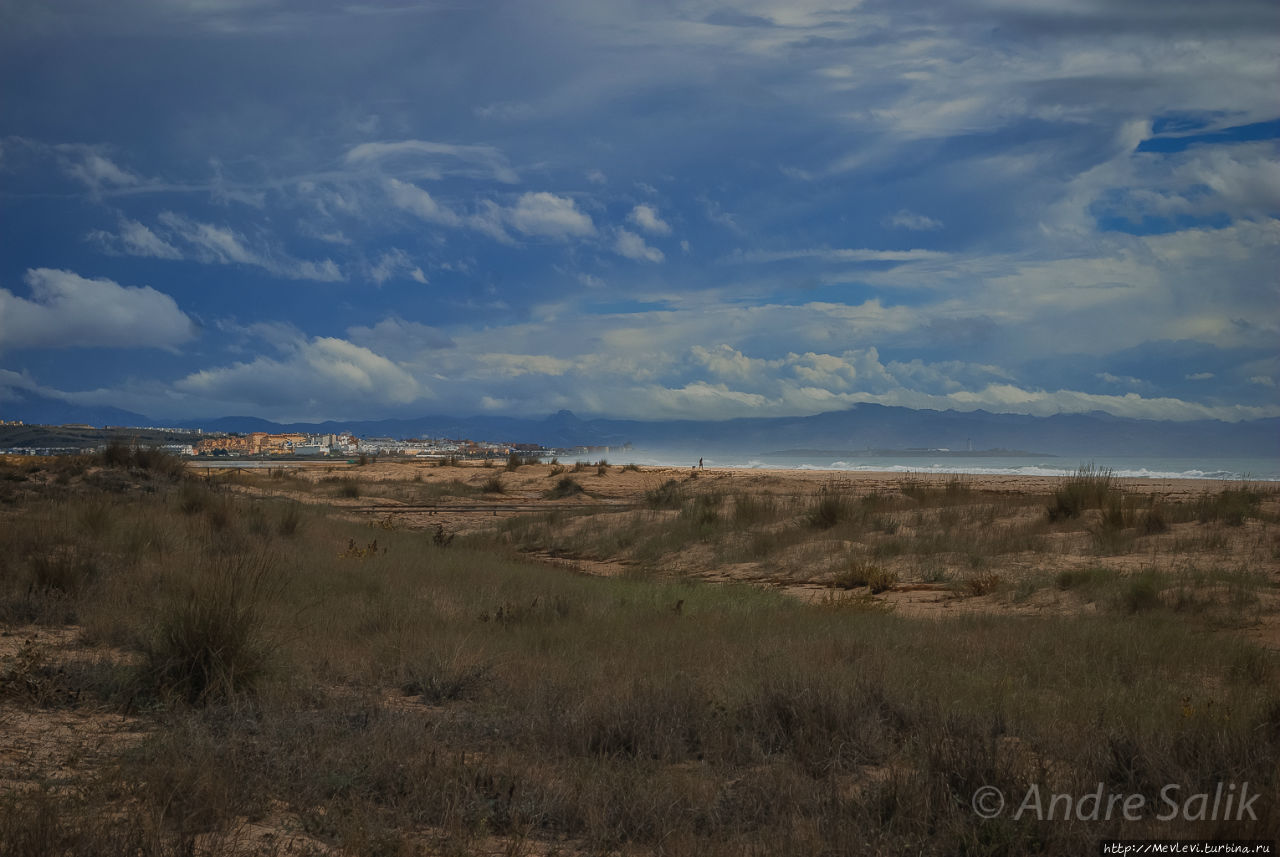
{"type": "Point", "coordinates": [541, 214]}
{"type": "Point", "coordinates": [314, 376]}
{"type": "Point", "coordinates": [909, 220]}
{"type": "Point", "coordinates": [400, 340]}
{"type": "Point", "coordinates": [135, 239]}
{"type": "Point", "coordinates": [95, 170]}
{"type": "Point", "coordinates": [1122, 380]}
{"type": "Point", "coordinates": [1007, 398]}
{"type": "Point", "coordinates": [213, 244]}
{"type": "Point", "coordinates": [843, 255]}
{"type": "Point", "coordinates": [1243, 180]}
{"type": "Point", "coordinates": [646, 217]}
{"type": "Point", "coordinates": [597, 177]}
{"type": "Point", "coordinates": [507, 110]}
{"type": "Point", "coordinates": [1200, 376]}
{"type": "Point", "coordinates": [490, 219]}
{"type": "Point", "coordinates": [427, 158]}
{"type": "Point", "coordinates": [420, 203]}
{"type": "Point", "coordinates": [632, 246]}
{"type": "Point", "coordinates": [66, 310]}
{"type": "Point", "coordinates": [550, 216]}
{"type": "Point", "coordinates": [396, 263]}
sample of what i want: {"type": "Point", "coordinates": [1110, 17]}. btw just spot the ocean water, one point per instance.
{"type": "Point", "coordinates": [1215, 468]}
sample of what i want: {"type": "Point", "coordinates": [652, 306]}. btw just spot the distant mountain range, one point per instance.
{"type": "Point", "coordinates": [861, 427]}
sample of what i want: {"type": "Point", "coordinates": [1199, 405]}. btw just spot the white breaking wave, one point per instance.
{"type": "Point", "coordinates": [1233, 470]}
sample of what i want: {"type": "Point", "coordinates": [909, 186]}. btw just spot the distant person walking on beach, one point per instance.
{"type": "Point", "coordinates": [700, 464]}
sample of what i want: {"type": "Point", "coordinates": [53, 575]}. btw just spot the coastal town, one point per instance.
{"type": "Point", "coordinates": [346, 444]}
{"type": "Point", "coordinates": [19, 438]}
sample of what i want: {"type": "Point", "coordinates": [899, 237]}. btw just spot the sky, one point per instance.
{"type": "Point", "coordinates": [648, 209]}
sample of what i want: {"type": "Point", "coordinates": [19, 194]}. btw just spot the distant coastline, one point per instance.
{"type": "Point", "coordinates": [908, 453]}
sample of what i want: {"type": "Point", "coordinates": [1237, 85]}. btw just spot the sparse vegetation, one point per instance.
{"type": "Point", "coordinates": [381, 690]}
{"type": "Point", "coordinates": [669, 495]}
{"type": "Point", "coordinates": [207, 643]}
{"type": "Point", "coordinates": [860, 573]}
{"type": "Point", "coordinates": [566, 487]}
{"type": "Point", "coordinates": [1230, 506]}
{"type": "Point", "coordinates": [832, 506]}
{"type": "Point", "coordinates": [1090, 488]}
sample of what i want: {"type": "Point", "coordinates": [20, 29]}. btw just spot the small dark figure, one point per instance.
{"type": "Point", "coordinates": [699, 463]}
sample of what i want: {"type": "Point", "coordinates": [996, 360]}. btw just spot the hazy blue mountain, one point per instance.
{"type": "Point", "coordinates": [33, 408]}
{"type": "Point", "coordinates": [861, 427]}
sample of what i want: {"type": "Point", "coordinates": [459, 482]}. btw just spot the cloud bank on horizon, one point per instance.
{"type": "Point", "coordinates": [347, 210]}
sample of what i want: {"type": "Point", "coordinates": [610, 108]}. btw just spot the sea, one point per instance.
{"type": "Point", "coordinates": [1141, 467]}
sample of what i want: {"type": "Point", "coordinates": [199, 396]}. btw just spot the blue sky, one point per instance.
{"type": "Point", "coordinates": [306, 210]}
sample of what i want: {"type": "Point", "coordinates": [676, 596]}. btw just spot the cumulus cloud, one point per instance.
{"type": "Point", "coordinates": [318, 376]}
{"type": "Point", "coordinates": [631, 245]}
{"type": "Point", "coordinates": [67, 310]}
{"type": "Point", "coordinates": [400, 340]}
{"type": "Point", "coordinates": [546, 215]}
{"type": "Point", "coordinates": [1122, 380]}
{"type": "Point", "coordinates": [420, 203]}
{"type": "Point", "coordinates": [646, 217]}
{"type": "Point", "coordinates": [538, 215]}
{"type": "Point", "coordinates": [923, 123]}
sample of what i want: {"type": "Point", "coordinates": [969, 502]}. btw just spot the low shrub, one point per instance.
{"type": "Point", "coordinates": [1141, 592]}
{"type": "Point", "coordinates": [435, 679]}
{"type": "Point", "coordinates": [1230, 506]}
{"type": "Point", "coordinates": [290, 519]}
{"type": "Point", "coordinates": [876, 578]}
{"type": "Point", "coordinates": [668, 495]}
{"type": "Point", "coordinates": [208, 645]}
{"type": "Point", "coordinates": [982, 584]}
{"type": "Point", "coordinates": [1085, 578]}
{"type": "Point", "coordinates": [1153, 521]}
{"type": "Point", "coordinates": [566, 487]}
{"type": "Point", "coordinates": [702, 510]}
{"type": "Point", "coordinates": [832, 506]}
{"type": "Point", "coordinates": [1089, 488]}
{"type": "Point", "coordinates": [63, 569]}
